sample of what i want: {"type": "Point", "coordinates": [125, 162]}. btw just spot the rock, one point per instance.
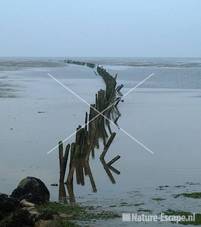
{"type": "Point", "coordinates": [63, 215]}
{"type": "Point", "coordinates": [44, 223]}
{"type": "Point", "coordinates": [34, 213]}
{"type": "Point", "coordinates": [30, 209]}
{"type": "Point", "coordinates": [33, 190]}
{"type": "Point", "coordinates": [47, 215]}
{"type": "Point", "coordinates": [25, 203]}
{"type": "Point", "coordinates": [7, 205]}
{"type": "Point", "coordinates": [20, 218]}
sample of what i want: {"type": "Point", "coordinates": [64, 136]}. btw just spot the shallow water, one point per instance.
{"type": "Point", "coordinates": [164, 114]}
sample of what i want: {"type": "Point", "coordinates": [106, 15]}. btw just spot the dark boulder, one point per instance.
{"type": "Point", "coordinates": [33, 190]}
{"type": "Point", "coordinates": [7, 205]}
{"type": "Point", "coordinates": [20, 218]}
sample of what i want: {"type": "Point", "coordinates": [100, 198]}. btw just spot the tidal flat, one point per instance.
{"type": "Point", "coordinates": [163, 114]}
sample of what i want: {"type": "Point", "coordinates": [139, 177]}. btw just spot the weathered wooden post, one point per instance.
{"type": "Point", "coordinates": [63, 158]}
{"type": "Point", "coordinates": [107, 145]}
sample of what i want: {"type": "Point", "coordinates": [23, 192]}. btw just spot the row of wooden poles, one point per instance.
{"type": "Point", "coordinates": [88, 64]}
{"type": "Point", "coordinates": [87, 139]}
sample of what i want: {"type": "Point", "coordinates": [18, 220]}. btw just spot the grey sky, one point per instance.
{"type": "Point", "coordinates": [119, 28]}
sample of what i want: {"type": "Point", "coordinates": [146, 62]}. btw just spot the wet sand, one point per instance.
{"type": "Point", "coordinates": [166, 119]}
{"type": "Point", "coordinates": [39, 115]}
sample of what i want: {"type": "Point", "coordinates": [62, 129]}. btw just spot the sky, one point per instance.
{"type": "Point", "coordinates": [100, 28]}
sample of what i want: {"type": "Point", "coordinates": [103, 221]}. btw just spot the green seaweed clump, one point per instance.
{"type": "Point", "coordinates": [69, 213]}
{"type": "Point", "coordinates": [158, 199]}
{"type": "Point", "coordinates": [191, 219]}
{"type": "Point", "coordinates": [193, 195]}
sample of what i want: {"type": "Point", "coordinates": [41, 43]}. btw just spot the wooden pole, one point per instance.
{"type": "Point", "coordinates": [63, 158]}
{"type": "Point", "coordinates": [114, 170]}
{"type": "Point", "coordinates": [107, 145]}
{"type": "Point", "coordinates": [107, 170]}
{"type": "Point", "coordinates": [87, 166]}
{"type": "Point", "coordinates": [114, 160]}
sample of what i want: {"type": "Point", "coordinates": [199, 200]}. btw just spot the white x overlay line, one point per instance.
{"type": "Point", "coordinates": [101, 113]}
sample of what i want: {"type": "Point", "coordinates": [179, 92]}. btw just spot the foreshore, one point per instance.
{"type": "Point", "coordinates": [28, 187]}
{"type": "Point", "coordinates": [34, 115]}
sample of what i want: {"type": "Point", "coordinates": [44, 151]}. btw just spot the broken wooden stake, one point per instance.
{"type": "Point", "coordinates": [114, 170]}
{"type": "Point", "coordinates": [107, 145]}
{"type": "Point", "coordinates": [63, 158]}
{"type": "Point", "coordinates": [114, 160]}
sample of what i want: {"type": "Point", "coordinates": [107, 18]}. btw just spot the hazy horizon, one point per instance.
{"type": "Point", "coordinates": [140, 57]}
{"type": "Point", "coordinates": [111, 57]}
{"type": "Point", "coordinates": [130, 28]}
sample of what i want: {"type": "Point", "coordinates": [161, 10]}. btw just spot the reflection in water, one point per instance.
{"type": "Point", "coordinates": [97, 128]}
